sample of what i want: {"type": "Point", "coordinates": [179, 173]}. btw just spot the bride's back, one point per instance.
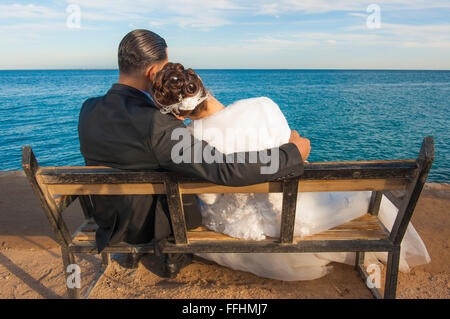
{"type": "Point", "coordinates": [253, 124]}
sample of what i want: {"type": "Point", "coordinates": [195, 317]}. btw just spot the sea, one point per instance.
{"type": "Point", "coordinates": [347, 114]}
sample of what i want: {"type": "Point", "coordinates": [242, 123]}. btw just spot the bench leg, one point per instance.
{"type": "Point", "coordinates": [359, 259]}
{"type": "Point", "coordinates": [69, 259]}
{"type": "Point", "coordinates": [390, 286]}
{"type": "Point", "coordinates": [106, 259]}
{"type": "Point", "coordinates": [360, 268]}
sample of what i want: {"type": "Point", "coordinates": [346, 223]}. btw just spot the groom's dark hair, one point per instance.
{"type": "Point", "coordinates": [139, 49]}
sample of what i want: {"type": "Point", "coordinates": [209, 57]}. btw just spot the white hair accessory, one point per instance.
{"type": "Point", "coordinates": [186, 104]}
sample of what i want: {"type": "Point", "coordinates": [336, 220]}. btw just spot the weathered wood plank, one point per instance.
{"type": "Point", "coordinates": [205, 187]}
{"type": "Point", "coordinates": [290, 189]}
{"type": "Point", "coordinates": [64, 201]}
{"type": "Point", "coordinates": [86, 231]}
{"type": "Point", "coordinates": [362, 171]}
{"type": "Point", "coordinates": [210, 235]}
{"type": "Point", "coordinates": [273, 246]}
{"type": "Point", "coordinates": [424, 162]}
{"type": "Point", "coordinates": [241, 246]}
{"type": "Point", "coordinates": [106, 189]}
{"type": "Point", "coordinates": [375, 202]}
{"type": "Point", "coordinates": [352, 185]}
{"type": "Point", "coordinates": [50, 208]}
{"type": "Point", "coordinates": [411, 161]}
{"type": "Point", "coordinates": [359, 259]}
{"type": "Point", "coordinates": [402, 169]}
{"type": "Point", "coordinates": [95, 175]}
{"type": "Point", "coordinates": [399, 194]}
{"type": "Point", "coordinates": [83, 236]}
{"type": "Point", "coordinates": [176, 210]}
{"type": "Point", "coordinates": [394, 199]}
{"type": "Point", "coordinates": [364, 227]}
{"type": "Point", "coordinates": [390, 285]}
{"type": "Point", "coordinates": [364, 275]}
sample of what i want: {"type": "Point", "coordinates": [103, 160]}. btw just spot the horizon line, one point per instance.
{"type": "Point", "coordinates": [274, 69]}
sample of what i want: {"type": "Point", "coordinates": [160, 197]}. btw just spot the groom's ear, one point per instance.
{"type": "Point", "coordinates": [151, 71]}
{"type": "Point", "coordinates": [155, 68]}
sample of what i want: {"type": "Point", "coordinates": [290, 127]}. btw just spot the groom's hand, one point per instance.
{"type": "Point", "coordinates": [302, 143]}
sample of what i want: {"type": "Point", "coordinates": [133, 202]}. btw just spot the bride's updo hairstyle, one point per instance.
{"type": "Point", "coordinates": [174, 83]}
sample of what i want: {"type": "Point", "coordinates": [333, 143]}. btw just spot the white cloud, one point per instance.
{"type": "Point", "coordinates": [389, 35]}
{"type": "Point", "coordinates": [184, 13]}
{"type": "Point", "coordinates": [268, 40]}
{"type": "Point", "coordinates": [202, 14]}
{"type": "Point", "coordinates": [430, 35]}
{"type": "Point", "coordinates": [270, 9]}
{"type": "Point", "coordinates": [204, 24]}
{"type": "Point", "coordinates": [27, 27]}
{"type": "Point", "coordinates": [356, 14]}
{"type": "Point", "coordinates": [320, 6]}
{"type": "Point", "coordinates": [426, 44]}
{"type": "Point", "coordinates": [28, 11]}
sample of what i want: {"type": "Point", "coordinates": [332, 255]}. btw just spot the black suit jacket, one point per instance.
{"type": "Point", "coordinates": [125, 130]}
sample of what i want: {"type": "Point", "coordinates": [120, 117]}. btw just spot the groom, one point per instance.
{"type": "Point", "coordinates": [124, 129]}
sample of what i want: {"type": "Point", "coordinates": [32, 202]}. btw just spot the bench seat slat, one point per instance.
{"type": "Point", "coordinates": [364, 227]}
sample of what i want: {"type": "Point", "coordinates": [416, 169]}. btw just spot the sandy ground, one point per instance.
{"type": "Point", "coordinates": [30, 263]}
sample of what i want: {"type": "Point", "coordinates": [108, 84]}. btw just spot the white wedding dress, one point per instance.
{"type": "Point", "coordinates": [257, 124]}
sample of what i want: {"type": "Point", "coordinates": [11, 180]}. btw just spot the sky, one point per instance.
{"type": "Point", "coordinates": [285, 34]}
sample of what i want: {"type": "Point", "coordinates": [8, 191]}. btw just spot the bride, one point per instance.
{"type": "Point", "coordinates": [257, 124]}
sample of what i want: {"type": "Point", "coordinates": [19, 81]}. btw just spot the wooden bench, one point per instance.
{"type": "Point", "coordinates": [401, 181]}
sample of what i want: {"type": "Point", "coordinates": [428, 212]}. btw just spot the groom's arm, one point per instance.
{"type": "Point", "coordinates": [182, 153]}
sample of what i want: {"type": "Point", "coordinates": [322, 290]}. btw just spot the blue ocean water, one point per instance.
{"type": "Point", "coordinates": [347, 115]}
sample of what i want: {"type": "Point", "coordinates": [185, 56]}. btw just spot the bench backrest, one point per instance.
{"type": "Point", "coordinates": [57, 187]}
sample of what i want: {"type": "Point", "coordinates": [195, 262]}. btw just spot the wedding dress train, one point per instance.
{"type": "Point", "coordinates": [257, 124]}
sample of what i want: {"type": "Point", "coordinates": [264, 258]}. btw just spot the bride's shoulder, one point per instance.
{"type": "Point", "coordinates": [255, 100]}
{"type": "Point", "coordinates": [258, 102]}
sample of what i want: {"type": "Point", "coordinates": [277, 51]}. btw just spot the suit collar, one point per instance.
{"type": "Point", "coordinates": [127, 90]}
